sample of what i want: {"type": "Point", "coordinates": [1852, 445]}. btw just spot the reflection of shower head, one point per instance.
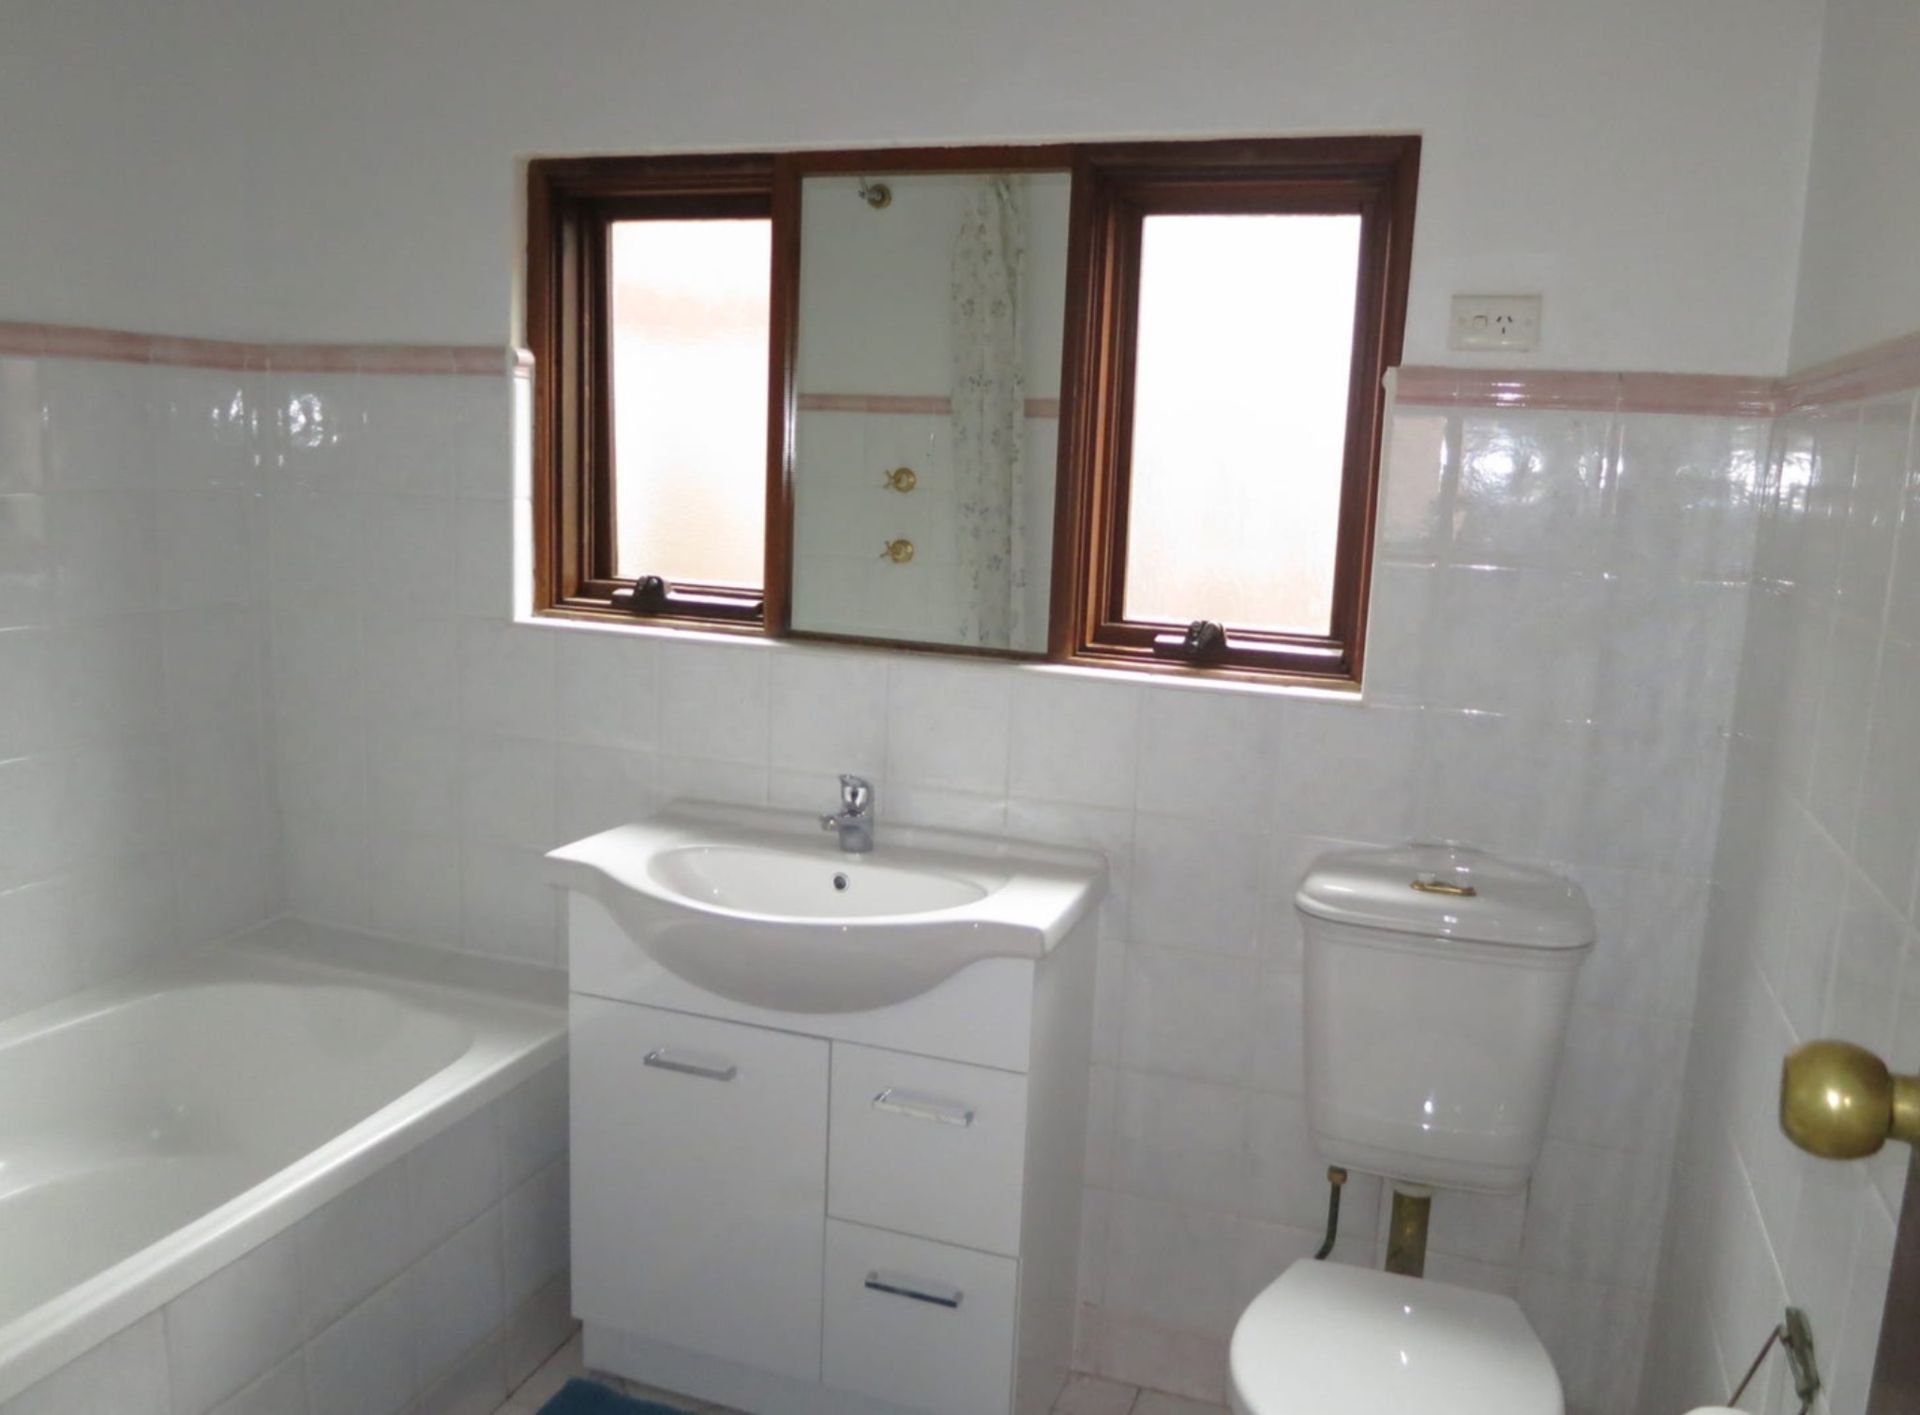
{"type": "Point", "coordinates": [877, 195]}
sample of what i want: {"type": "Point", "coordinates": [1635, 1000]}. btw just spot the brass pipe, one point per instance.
{"type": "Point", "coordinates": [1840, 1102]}
{"type": "Point", "coordinates": [1407, 1233]}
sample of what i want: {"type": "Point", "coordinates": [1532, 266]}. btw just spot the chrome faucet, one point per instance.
{"type": "Point", "coordinates": [854, 820]}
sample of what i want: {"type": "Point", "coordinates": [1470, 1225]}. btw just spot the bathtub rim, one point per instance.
{"type": "Point", "coordinates": [506, 995]}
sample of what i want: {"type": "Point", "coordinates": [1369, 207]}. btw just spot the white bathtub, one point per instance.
{"type": "Point", "coordinates": [156, 1129]}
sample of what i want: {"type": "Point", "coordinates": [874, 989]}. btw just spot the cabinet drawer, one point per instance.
{"type": "Point", "coordinates": [927, 1147]}
{"type": "Point", "coordinates": [917, 1323]}
{"type": "Point", "coordinates": [699, 1178]}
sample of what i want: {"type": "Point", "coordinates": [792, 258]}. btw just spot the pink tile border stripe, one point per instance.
{"type": "Point", "coordinates": [1891, 367]}
{"type": "Point", "coordinates": [61, 341]}
{"type": "Point", "coordinates": [935, 405]}
{"type": "Point", "coordinates": [1583, 390]}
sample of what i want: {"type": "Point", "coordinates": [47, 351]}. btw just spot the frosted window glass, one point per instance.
{"type": "Point", "coordinates": [1240, 419]}
{"type": "Point", "coordinates": [690, 309]}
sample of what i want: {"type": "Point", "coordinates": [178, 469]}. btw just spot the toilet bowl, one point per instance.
{"type": "Point", "coordinates": [1437, 986]}
{"type": "Point", "coordinates": [1328, 1339]}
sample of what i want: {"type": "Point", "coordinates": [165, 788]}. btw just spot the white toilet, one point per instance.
{"type": "Point", "coordinates": [1438, 981]}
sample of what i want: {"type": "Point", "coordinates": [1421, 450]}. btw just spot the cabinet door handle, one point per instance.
{"type": "Point", "coordinates": [916, 1107]}
{"type": "Point", "coordinates": [900, 1285]}
{"type": "Point", "coordinates": [713, 1069]}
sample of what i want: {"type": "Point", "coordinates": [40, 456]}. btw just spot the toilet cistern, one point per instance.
{"type": "Point", "coordinates": [1437, 984]}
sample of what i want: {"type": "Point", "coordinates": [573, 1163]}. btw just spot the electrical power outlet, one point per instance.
{"type": "Point", "coordinates": [1495, 322]}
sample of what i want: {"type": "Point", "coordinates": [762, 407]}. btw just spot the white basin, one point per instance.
{"type": "Point", "coordinates": [762, 907]}
{"type": "Point", "coordinates": [753, 879]}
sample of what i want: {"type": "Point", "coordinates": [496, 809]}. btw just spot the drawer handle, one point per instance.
{"type": "Point", "coordinates": [899, 1285]}
{"type": "Point", "coordinates": [922, 1107]}
{"type": "Point", "coordinates": [663, 1060]}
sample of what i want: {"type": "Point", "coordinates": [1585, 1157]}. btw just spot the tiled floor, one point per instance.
{"type": "Point", "coordinates": [1089, 1395]}
{"type": "Point", "coordinates": [1084, 1395]}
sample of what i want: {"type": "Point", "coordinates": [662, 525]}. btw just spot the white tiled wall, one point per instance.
{"type": "Point", "coordinates": [414, 729]}
{"type": "Point", "coordinates": [1558, 618]}
{"type": "Point", "coordinates": [136, 810]}
{"type": "Point", "coordinates": [1559, 606]}
{"type": "Point", "coordinates": [434, 1286]}
{"type": "Point", "coordinates": [1812, 926]}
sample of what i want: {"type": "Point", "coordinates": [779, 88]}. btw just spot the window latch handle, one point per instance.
{"type": "Point", "coordinates": [648, 596]}
{"type": "Point", "coordinates": [1203, 642]}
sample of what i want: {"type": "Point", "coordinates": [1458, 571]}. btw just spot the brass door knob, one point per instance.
{"type": "Point", "coordinates": [1839, 1101]}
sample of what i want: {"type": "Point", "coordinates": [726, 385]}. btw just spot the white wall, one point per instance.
{"type": "Point", "coordinates": [1640, 165]}
{"type": "Point", "coordinates": [1860, 261]}
{"type": "Point", "coordinates": [126, 163]}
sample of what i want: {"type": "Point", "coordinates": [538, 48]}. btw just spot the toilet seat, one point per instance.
{"type": "Point", "coordinates": [1328, 1339]}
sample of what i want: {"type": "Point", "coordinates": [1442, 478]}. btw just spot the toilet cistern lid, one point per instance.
{"type": "Point", "coordinates": [1328, 1339]}
{"type": "Point", "coordinates": [1447, 891]}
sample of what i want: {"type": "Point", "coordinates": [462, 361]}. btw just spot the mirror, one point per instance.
{"type": "Point", "coordinates": [928, 377]}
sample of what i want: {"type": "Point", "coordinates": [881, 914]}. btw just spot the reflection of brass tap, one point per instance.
{"type": "Point", "coordinates": [902, 479]}
{"type": "Point", "coordinates": [899, 551]}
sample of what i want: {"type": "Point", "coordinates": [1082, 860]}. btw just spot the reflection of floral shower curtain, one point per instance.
{"type": "Point", "coordinates": [989, 413]}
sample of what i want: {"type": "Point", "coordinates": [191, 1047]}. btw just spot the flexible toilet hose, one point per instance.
{"type": "Point", "coordinates": [1336, 1177]}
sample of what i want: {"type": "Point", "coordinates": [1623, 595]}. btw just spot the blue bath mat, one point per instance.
{"type": "Point", "coordinates": [590, 1398]}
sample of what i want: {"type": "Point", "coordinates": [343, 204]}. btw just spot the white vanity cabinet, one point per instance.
{"type": "Point", "coordinates": [702, 1150]}
{"type": "Point", "coordinates": [859, 1213]}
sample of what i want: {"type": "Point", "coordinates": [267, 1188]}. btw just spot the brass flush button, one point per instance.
{"type": "Point", "coordinates": [899, 551]}
{"type": "Point", "coordinates": [902, 479]}
{"type": "Point", "coordinates": [1433, 884]}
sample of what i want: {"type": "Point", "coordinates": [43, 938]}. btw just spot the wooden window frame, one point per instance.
{"type": "Point", "coordinates": [572, 201]}
{"type": "Point", "coordinates": [1116, 186]}
{"type": "Point", "coordinates": [571, 205]}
